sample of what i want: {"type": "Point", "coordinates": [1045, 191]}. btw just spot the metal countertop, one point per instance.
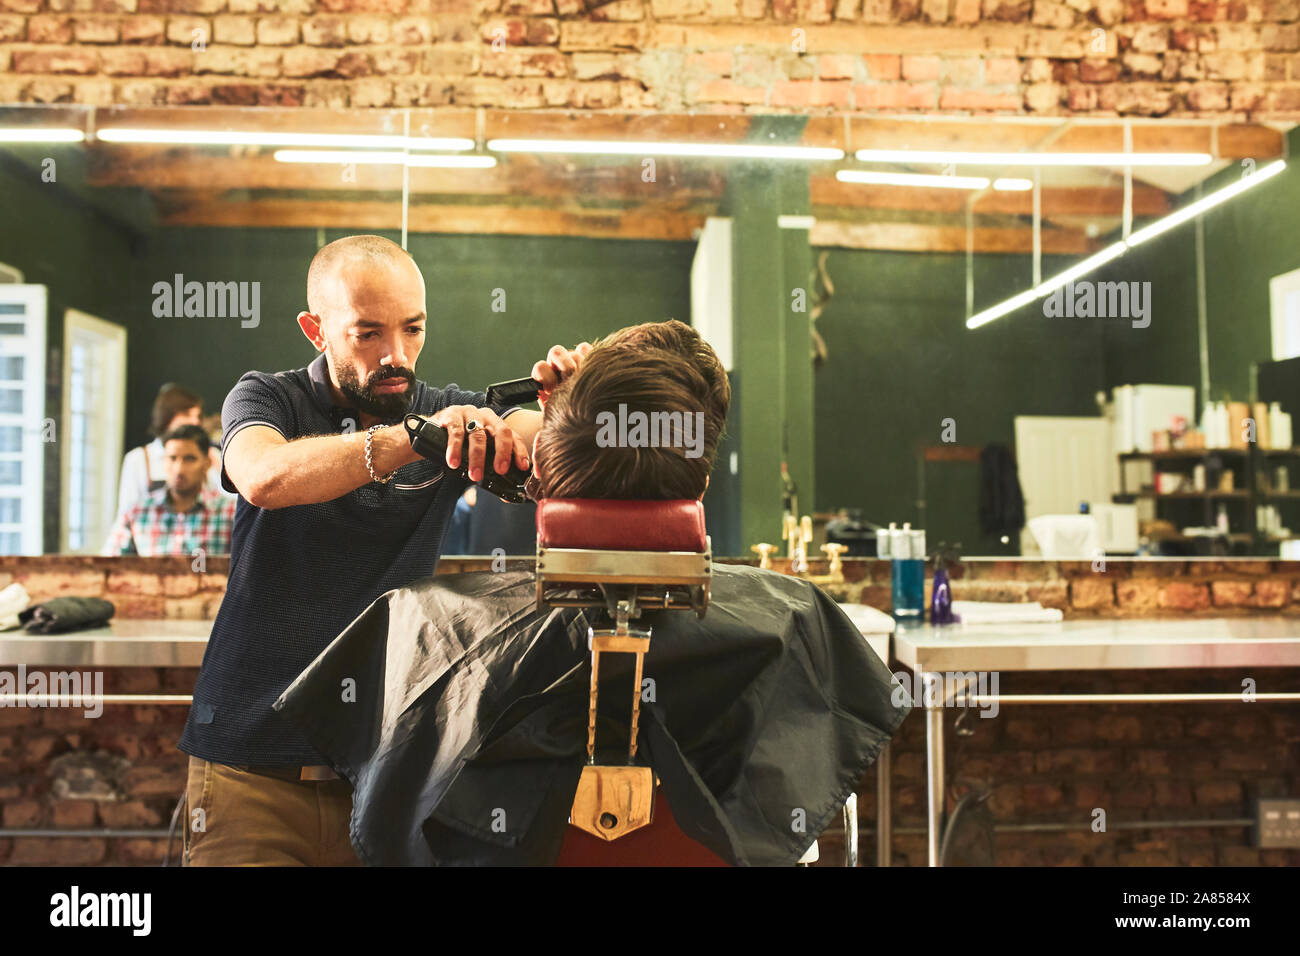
{"type": "Point", "coordinates": [125, 643]}
{"type": "Point", "coordinates": [1112, 644]}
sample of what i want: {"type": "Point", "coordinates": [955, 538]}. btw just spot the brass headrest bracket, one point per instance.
{"type": "Point", "coordinates": [613, 801]}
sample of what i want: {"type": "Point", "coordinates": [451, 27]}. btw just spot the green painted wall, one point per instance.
{"type": "Point", "coordinates": [1166, 352]}
{"type": "Point", "coordinates": [772, 405]}
{"type": "Point", "coordinates": [556, 291]}
{"type": "Point", "coordinates": [799, 437]}
{"type": "Point", "coordinates": [902, 360]}
{"type": "Point", "coordinates": [1248, 240]}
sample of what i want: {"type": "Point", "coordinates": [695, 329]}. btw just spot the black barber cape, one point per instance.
{"type": "Point", "coordinates": [458, 711]}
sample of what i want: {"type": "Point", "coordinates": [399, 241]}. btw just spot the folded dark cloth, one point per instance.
{"type": "Point", "coordinates": [66, 614]}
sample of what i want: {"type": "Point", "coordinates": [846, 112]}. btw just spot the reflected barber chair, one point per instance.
{"type": "Point", "coordinates": [622, 558]}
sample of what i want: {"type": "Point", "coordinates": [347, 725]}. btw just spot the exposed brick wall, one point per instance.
{"type": "Point", "coordinates": [1128, 57]}
{"type": "Point", "coordinates": [1043, 763]}
{"type": "Point", "coordinates": [1057, 764]}
{"type": "Point", "coordinates": [138, 587]}
{"type": "Point", "coordinates": [169, 588]}
{"type": "Point", "coordinates": [1124, 589]}
{"type": "Point", "coordinates": [145, 735]}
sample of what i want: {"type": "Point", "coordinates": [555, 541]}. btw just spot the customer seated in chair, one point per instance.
{"type": "Point", "coordinates": [458, 709]}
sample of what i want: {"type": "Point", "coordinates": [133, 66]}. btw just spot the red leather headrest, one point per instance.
{"type": "Point", "coordinates": [608, 525]}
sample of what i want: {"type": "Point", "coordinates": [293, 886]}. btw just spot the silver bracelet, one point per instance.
{"type": "Point", "coordinates": [370, 466]}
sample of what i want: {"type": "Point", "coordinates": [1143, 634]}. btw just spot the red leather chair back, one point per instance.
{"type": "Point", "coordinates": [603, 524]}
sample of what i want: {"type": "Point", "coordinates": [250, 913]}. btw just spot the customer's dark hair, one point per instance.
{"type": "Point", "coordinates": [194, 433]}
{"type": "Point", "coordinates": [572, 463]}
{"type": "Point", "coordinates": [172, 400]}
{"type": "Point", "coordinates": [678, 337]}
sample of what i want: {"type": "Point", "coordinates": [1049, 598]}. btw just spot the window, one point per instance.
{"type": "Point", "coordinates": [1284, 291]}
{"type": "Point", "coordinates": [94, 394]}
{"type": "Point", "coordinates": [22, 418]}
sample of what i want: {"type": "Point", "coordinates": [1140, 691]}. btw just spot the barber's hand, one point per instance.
{"type": "Point", "coordinates": [560, 363]}
{"type": "Point", "coordinates": [506, 444]}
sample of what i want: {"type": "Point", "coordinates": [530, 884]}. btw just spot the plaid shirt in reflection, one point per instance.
{"type": "Point", "coordinates": [150, 528]}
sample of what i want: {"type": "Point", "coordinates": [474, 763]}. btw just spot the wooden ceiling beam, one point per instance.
{"type": "Point", "coordinates": [643, 223]}
{"type": "Point", "coordinates": [441, 121]}
{"type": "Point", "coordinates": [908, 237]}
{"type": "Point", "coordinates": [1057, 200]}
{"type": "Point", "coordinates": [461, 220]}
{"type": "Point", "coordinates": [1226, 141]}
{"type": "Point", "coordinates": [157, 168]}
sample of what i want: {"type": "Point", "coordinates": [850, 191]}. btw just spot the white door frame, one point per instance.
{"type": "Point", "coordinates": [31, 346]}
{"type": "Point", "coordinates": [113, 396]}
{"type": "Point", "coordinates": [1278, 288]}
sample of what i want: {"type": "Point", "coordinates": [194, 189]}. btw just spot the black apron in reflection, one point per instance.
{"type": "Point", "coordinates": [458, 711]}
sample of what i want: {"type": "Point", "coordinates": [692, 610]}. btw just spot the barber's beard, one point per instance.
{"type": "Point", "coordinates": [371, 402]}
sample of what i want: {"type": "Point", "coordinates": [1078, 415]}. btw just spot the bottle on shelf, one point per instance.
{"type": "Point", "coordinates": [1279, 427]}
{"type": "Point", "coordinates": [1263, 422]}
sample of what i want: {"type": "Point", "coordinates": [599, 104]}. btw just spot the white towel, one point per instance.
{"type": "Point", "coordinates": [994, 612]}
{"type": "Point", "coordinates": [12, 600]}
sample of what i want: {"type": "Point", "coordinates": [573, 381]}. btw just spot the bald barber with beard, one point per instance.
{"type": "Point", "coordinates": [334, 510]}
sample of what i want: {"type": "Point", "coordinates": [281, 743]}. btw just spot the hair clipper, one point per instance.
{"type": "Point", "coordinates": [430, 441]}
{"type": "Point", "coordinates": [517, 391]}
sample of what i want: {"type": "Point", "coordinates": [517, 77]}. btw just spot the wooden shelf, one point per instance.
{"type": "Point", "coordinates": [1185, 495]}
{"type": "Point", "coordinates": [1232, 536]}
{"type": "Point", "coordinates": [1192, 453]}
{"type": "Point", "coordinates": [1252, 461]}
{"type": "Point", "coordinates": [1177, 453]}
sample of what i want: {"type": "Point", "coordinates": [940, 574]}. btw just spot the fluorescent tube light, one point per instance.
{"type": "Point", "coordinates": [946, 157]}
{"type": "Point", "coordinates": [633, 148]}
{"type": "Point", "coordinates": [1001, 309]}
{"type": "Point", "coordinates": [882, 178]}
{"type": "Point", "coordinates": [382, 158]}
{"type": "Point", "coordinates": [1094, 261]}
{"type": "Point", "coordinates": [1204, 203]}
{"type": "Point", "coordinates": [212, 137]}
{"type": "Point", "coordinates": [39, 134]}
{"type": "Point", "coordinates": [1116, 250]}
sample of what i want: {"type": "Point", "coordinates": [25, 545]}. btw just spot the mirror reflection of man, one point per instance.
{"type": "Point", "coordinates": [334, 509]}
{"type": "Point", "coordinates": [142, 468]}
{"type": "Point", "coordinates": [184, 514]}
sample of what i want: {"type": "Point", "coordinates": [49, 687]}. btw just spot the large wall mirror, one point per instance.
{"type": "Point", "coordinates": [1084, 344]}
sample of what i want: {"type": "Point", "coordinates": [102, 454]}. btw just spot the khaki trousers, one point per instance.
{"type": "Point", "coordinates": [237, 818]}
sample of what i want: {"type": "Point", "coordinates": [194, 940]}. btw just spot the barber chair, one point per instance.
{"type": "Point", "coordinates": [621, 558]}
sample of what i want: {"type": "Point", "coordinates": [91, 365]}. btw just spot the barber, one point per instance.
{"type": "Point", "coordinates": [334, 510]}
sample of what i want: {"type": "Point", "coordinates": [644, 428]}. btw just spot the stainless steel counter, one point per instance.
{"type": "Point", "coordinates": [1102, 645]}
{"type": "Point", "coordinates": [125, 643]}
{"type": "Point", "coordinates": [950, 660]}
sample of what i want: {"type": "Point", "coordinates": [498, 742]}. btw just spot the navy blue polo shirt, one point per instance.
{"type": "Point", "coordinates": [300, 575]}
